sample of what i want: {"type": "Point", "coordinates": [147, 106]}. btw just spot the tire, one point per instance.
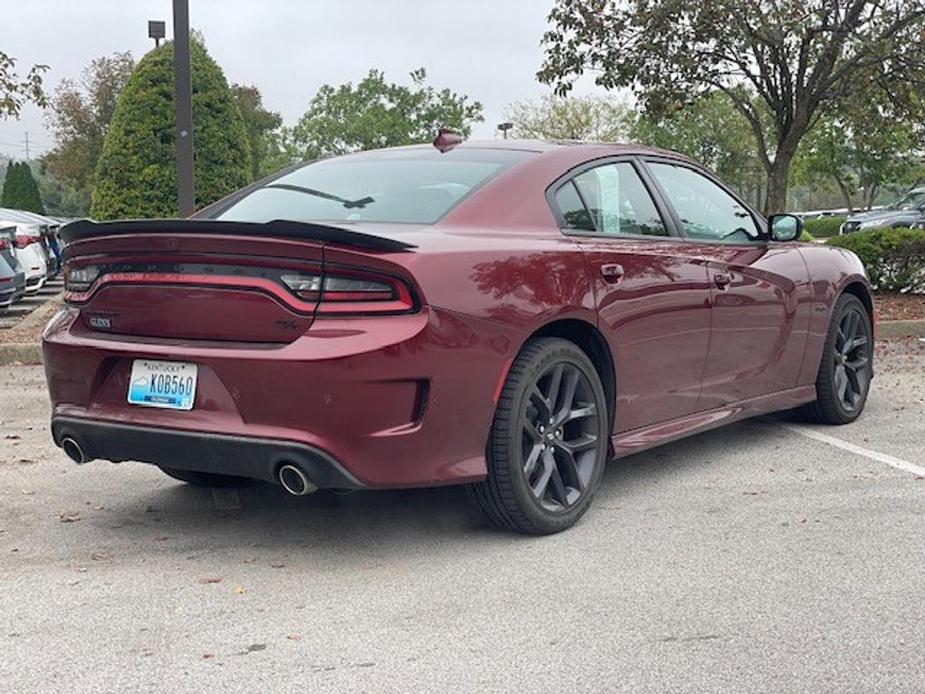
{"type": "Point", "coordinates": [844, 377]}
{"type": "Point", "coordinates": [203, 479]}
{"type": "Point", "coordinates": [542, 480]}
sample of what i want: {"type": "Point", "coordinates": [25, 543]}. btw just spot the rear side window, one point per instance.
{"type": "Point", "coordinates": [615, 202]}
{"type": "Point", "coordinates": [399, 185]}
{"type": "Point", "coordinates": [573, 210]}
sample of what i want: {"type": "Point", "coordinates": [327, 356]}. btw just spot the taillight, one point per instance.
{"type": "Point", "coordinates": [80, 279]}
{"type": "Point", "coordinates": [351, 293]}
{"type": "Point", "coordinates": [24, 241]}
{"type": "Point", "coordinates": [4, 244]}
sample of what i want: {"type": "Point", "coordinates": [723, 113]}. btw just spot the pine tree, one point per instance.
{"type": "Point", "coordinates": [20, 191]}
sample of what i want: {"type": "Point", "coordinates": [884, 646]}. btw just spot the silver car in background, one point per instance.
{"type": "Point", "coordinates": [908, 211]}
{"type": "Point", "coordinates": [12, 277]}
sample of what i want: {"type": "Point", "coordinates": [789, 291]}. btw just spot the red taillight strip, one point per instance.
{"type": "Point", "coordinates": [256, 283]}
{"type": "Point", "coordinates": [339, 305]}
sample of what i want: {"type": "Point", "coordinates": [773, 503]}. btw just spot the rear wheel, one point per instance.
{"type": "Point", "coordinates": [203, 479]}
{"type": "Point", "coordinates": [548, 442]}
{"type": "Point", "coordinates": [845, 373]}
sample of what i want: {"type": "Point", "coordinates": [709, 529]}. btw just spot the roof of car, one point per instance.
{"type": "Point", "coordinates": [532, 145]}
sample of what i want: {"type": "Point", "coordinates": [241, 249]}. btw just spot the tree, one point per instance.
{"type": "Point", "coordinates": [792, 59]}
{"type": "Point", "coordinates": [136, 174]}
{"type": "Point", "coordinates": [592, 118]}
{"type": "Point", "coordinates": [711, 131]}
{"type": "Point", "coordinates": [860, 148]}
{"type": "Point", "coordinates": [375, 113]}
{"type": "Point", "coordinates": [80, 116]}
{"type": "Point", "coordinates": [20, 191]}
{"type": "Point", "coordinates": [260, 125]}
{"type": "Point", "coordinates": [16, 91]}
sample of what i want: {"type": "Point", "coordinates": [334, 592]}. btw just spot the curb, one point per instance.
{"type": "Point", "coordinates": [31, 353]}
{"type": "Point", "coordinates": [887, 329]}
{"type": "Point", "coordinates": [20, 355]}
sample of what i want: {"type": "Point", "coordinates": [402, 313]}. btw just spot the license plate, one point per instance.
{"type": "Point", "coordinates": [168, 384]}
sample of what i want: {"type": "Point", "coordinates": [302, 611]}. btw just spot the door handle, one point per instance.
{"type": "Point", "coordinates": [612, 272]}
{"type": "Point", "coordinates": [722, 279]}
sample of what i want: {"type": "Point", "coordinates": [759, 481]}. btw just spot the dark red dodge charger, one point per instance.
{"type": "Point", "coordinates": [503, 314]}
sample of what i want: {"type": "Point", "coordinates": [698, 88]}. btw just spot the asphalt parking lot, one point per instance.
{"type": "Point", "coordinates": [763, 557]}
{"type": "Point", "coordinates": [11, 316]}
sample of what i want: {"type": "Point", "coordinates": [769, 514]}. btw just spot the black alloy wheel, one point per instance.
{"type": "Point", "coordinates": [549, 440]}
{"type": "Point", "coordinates": [846, 370]}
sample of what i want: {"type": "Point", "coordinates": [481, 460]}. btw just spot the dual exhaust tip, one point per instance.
{"type": "Point", "coordinates": [290, 476]}
{"type": "Point", "coordinates": [73, 450]}
{"type": "Point", "coordinates": [294, 480]}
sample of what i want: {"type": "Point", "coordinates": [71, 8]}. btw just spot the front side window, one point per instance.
{"type": "Point", "coordinates": [416, 186]}
{"type": "Point", "coordinates": [707, 211]}
{"type": "Point", "coordinates": [613, 200]}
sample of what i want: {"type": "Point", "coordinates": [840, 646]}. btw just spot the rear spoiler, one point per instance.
{"type": "Point", "coordinates": [280, 228]}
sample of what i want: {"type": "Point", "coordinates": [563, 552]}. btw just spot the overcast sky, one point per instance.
{"type": "Point", "coordinates": [486, 49]}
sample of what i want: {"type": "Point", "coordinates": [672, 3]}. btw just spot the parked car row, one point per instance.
{"type": "Point", "coordinates": [30, 254]}
{"type": "Point", "coordinates": [908, 211]}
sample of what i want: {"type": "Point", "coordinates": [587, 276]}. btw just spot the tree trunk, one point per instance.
{"type": "Point", "coordinates": [845, 194]}
{"type": "Point", "coordinates": [778, 178]}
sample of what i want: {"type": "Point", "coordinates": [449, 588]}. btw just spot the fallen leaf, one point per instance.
{"type": "Point", "coordinates": [12, 437]}
{"type": "Point", "coordinates": [209, 579]}
{"type": "Point", "coordinates": [294, 637]}
{"type": "Point", "coordinates": [70, 516]}
{"type": "Point", "coordinates": [102, 555]}
{"type": "Point", "coordinates": [239, 590]}
{"type": "Point", "coordinates": [277, 566]}
{"type": "Point", "coordinates": [206, 656]}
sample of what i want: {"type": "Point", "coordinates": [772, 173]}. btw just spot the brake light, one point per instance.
{"type": "Point", "coordinates": [4, 244]}
{"type": "Point", "coordinates": [80, 279]}
{"type": "Point", "coordinates": [24, 241]}
{"type": "Point", "coordinates": [351, 293]}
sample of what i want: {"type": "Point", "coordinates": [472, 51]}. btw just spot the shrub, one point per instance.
{"type": "Point", "coordinates": [823, 227]}
{"type": "Point", "coordinates": [136, 174]}
{"type": "Point", "coordinates": [894, 258]}
{"type": "Point", "coordinates": [806, 237]}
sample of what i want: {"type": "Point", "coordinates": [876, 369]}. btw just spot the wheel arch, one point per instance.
{"type": "Point", "coordinates": [592, 342]}
{"type": "Point", "coordinates": [862, 292]}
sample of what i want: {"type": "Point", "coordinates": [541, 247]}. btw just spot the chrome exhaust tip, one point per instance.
{"type": "Point", "coordinates": [294, 480]}
{"type": "Point", "coordinates": [73, 450]}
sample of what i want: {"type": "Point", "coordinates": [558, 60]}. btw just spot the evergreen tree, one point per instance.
{"type": "Point", "coordinates": [20, 191]}
{"type": "Point", "coordinates": [136, 175]}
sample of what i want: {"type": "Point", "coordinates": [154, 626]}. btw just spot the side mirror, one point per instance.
{"type": "Point", "coordinates": [785, 227]}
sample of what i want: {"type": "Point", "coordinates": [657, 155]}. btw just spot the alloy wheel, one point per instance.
{"type": "Point", "coordinates": [559, 436]}
{"type": "Point", "coordinates": [852, 359]}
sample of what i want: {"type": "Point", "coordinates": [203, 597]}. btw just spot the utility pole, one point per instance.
{"type": "Point", "coordinates": [27, 145]}
{"type": "Point", "coordinates": [183, 99]}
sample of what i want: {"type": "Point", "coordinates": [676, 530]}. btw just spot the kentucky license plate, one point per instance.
{"type": "Point", "coordinates": [168, 384]}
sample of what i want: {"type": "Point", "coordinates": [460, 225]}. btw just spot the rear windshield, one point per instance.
{"type": "Point", "coordinates": [399, 185]}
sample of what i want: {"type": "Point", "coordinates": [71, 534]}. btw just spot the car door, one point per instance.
{"type": "Point", "coordinates": [760, 293]}
{"type": "Point", "coordinates": [652, 293]}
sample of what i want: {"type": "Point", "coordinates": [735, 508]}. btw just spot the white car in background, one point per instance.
{"type": "Point", "coordinates": [31, 255]}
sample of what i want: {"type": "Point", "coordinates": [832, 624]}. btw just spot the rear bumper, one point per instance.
{"type": "Point", "coordinates": [213, 453]}
{"type": "Point", "coordinates": [396, 401]}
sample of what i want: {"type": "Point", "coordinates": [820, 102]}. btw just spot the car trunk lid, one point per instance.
{"type": "Point", "coordinates": [201, 279]}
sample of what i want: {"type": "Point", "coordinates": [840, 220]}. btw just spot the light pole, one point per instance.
{"type": "Point", "coordinates": [183, 99]}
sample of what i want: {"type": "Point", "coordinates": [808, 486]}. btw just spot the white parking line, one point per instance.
{"type": "Point", "coordinates": [890, 460]}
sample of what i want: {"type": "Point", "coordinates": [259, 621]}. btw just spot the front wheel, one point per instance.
{"type": "Point", "coordinates": [548, 442]}
{"type": "Point", "coordinates": [846, 370]}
